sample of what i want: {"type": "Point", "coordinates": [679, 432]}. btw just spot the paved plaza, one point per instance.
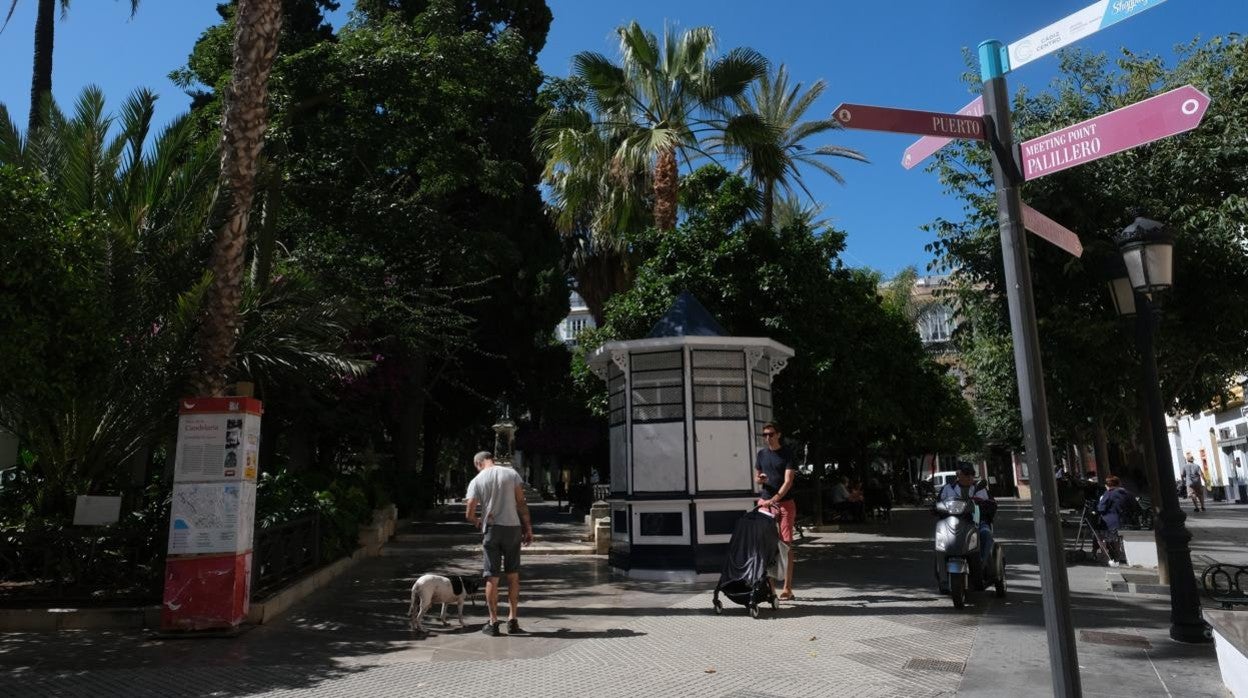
{"type": "Point", "coordinates": [867, 622]}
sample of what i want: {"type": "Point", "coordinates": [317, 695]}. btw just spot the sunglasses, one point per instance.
{"type": "Point", "coordinates": [769, 434]}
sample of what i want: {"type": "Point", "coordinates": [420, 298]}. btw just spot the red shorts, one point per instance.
{"type": "Point", "coordinates": [786, 513]}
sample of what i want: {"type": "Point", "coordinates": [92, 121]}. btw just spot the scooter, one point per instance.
{"type": "Point", "coordinates": [958, 564]}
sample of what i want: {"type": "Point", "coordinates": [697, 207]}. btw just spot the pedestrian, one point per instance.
{"type": "Point", "coordinates": [1115, 507]}
{"type": "Point", "coordinates": [776, 474]}
{"type": "Point", "coordinates": [496, 505]}
{"type": "Point", "coordinates": [843, 502]}
{"type": "Point", "coordinates": [1194, 478]}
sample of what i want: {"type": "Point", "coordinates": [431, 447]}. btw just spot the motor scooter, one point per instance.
{"type": "Point", "coordinates": [958, 564]}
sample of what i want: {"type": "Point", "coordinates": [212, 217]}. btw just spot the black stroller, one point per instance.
{"type": "Point", "coordinates": [752, 550]}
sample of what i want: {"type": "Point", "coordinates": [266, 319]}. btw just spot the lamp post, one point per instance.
{"type": "Point", "coordinates": [1148, 254]}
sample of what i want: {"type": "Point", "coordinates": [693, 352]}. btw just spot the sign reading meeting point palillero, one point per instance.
{"type": "Point", "coordinates": [1152, 119]}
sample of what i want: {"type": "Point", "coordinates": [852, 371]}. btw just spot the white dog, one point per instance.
{"type": "Point", "coordinates": [434, 588]}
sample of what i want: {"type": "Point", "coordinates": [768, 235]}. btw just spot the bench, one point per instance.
{"type": "Point", "coordinates": [1223, 583]}
{"type": "Point", "coordinates": [1230, 638]}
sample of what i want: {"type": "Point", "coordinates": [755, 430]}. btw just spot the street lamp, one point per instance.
{"type": "Point", "coordinates": [1148, 256]}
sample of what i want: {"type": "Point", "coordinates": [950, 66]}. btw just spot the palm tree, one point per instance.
{"type": "Point", "coordinates": [773, 161]}
{"type": "Point", "coordinates": [593, 203]}
{"type": "Point", "coordinates": [45, 30]}
{"type": "Point", "coordinates": [257, 24]}
{"type": "Point", "coordinates": [653, 105]}
{"type": "Point", "coordinates": [138, 208]}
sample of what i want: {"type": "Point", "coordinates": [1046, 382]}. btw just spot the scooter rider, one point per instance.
{"type": "Point", "coordinates": [967, 488]}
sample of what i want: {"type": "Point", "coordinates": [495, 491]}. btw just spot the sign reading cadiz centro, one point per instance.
{"type": "Point", "coordinates": [927, 123]}
{"type": "Point", "coordinates": [1167, 114]}
{"type": "Point", "coordinates": [1072, 28]}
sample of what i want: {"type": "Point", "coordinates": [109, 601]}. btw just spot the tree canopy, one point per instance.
{"type": "Point", "coordinates": [1196, 183]}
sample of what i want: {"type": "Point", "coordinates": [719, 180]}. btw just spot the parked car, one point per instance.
{"type": "Point", "coordinates": [942, 478]}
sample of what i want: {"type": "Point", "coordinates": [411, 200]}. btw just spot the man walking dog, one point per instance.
{"type": "Point", "coordinates": [496, 505]}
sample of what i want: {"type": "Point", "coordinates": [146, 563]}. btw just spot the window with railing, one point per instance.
{"type": "Point", "coordinates": [719, 390]}
{"type": "Point", "coordinates": [658, 387]}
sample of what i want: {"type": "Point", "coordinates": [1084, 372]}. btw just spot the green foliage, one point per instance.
{"type": "Point", "coordinates": [340, 501]}
{"type": "Point", "coordinates": [105, 230]}
{"type": "Point", "coordinates": [1197, 183]}
{"type": "Point", "coordinates": [860, 382]}
{"type": "Point", "coordinates": [399, 178]}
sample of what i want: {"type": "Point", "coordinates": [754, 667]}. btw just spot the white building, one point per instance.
{"type": "Point", "coordinates": [1216, 439]}
{"type": "Point", "coordinates": [578, 320]}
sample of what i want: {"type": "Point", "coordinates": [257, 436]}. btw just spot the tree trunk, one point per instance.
{"type": "Point", "coordinates": [666, 190]}
{"type": "Point", "coordinates": [41, 75]}
{"type": "Point", "coordinates": [268, 226]}
{"type": "Point", "coordinates": [257, 25]}
{"type": "Point", "coordinates": [1101, 440]}
{"type": "Point", "coordinates": [408, 434]}
{"type": "Point", "coordinates": [432, 446]}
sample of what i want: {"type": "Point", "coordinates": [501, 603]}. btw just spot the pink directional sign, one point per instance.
{"type": "Point", "coordinates": [1051, 230]}
{"type": "Point", "coordinates": [1155, 118]}
{"type": "Point", "coordinates": [927, 123]}
{"type": "Point", "coordinates": [927, 145]}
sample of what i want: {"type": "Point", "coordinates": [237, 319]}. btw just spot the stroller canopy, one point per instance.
{"type": "Point", "coordinates": [752, 549]}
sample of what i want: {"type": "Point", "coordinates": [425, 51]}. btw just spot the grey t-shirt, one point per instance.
{"type": "Point", "coordinates": [495, 491]}
{"type": "Point", "coordinates": [1193, 475]}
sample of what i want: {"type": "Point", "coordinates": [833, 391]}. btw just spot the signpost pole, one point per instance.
{"type": "Point", "coordinates": [1063, 659]}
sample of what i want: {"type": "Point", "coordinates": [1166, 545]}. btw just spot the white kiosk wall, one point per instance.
{"type": "Point", "coordinates": [659, 457]}
{"type": "Point", "coordinates": [657, 401]}
{"type": "Point", "coordinates": [723, 456]}
{"type": "Point", "coordinates": [721, 420]}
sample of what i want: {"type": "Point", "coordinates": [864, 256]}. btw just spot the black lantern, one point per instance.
{"type": "Point", "coordinates": [1120, 289]}
{"type": "Point", "coordinates": [1148, 253]}
{"type": "Point", "coordinates": [1148, 256]}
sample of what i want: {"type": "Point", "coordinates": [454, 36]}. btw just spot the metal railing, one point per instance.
{"type": "Point", "coordinates": [111, 567]}
{"type": "Point", "coordinates": [283, 552]}
{"type": "Point", "coordinates": [76, 566]}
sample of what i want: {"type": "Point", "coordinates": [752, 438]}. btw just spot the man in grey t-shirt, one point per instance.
{"type": "Point", "coordinates": [496, 505]}
{"type": "Point", "coordinates": [1194, 478]}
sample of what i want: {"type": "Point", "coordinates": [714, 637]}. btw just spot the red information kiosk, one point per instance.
{"type": "Point", "coordinates": [212, 516]}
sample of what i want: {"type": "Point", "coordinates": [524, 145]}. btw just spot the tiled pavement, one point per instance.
{"type": "Point", "coordinates": [866, 623]}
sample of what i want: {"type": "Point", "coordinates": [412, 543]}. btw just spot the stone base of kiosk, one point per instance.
{"type": "Point", "coordinates": [206, 592]}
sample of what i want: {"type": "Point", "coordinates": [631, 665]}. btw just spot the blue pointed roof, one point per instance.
{"type": "Point", "coordinates": [686, 318]}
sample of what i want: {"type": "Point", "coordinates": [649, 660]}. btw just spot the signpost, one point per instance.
{"type": "Point", "coordinates": [1167, 114]}
{"type": "Point", "coordinates": [1051, 230]}
{"type": "Point", "coordinates": [1161, 116]}
{"type": "Point", "coordinates": [1068, 30]}
{"type": "Point", "coordinates": [212, 515]}
{"type": "Point", "coordinates": [925, 146]}
{"type": "Point", "coordinates": [930, 123]}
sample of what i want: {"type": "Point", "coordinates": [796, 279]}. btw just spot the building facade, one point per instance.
{"type": "Point", "coordinates": [578, 320]}
{"type": "Point", "coordinates": [1217, 439]}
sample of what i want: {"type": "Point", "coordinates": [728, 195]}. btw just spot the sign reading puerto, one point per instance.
{"type": "Point", "coordinates": [921, 149]}
{"type": "Point", "coordinates": [1068, 30]}
{"type": "Point", "coordinates": [925, 123]}
{"type": "Point", "coordinates": [1152, 119]}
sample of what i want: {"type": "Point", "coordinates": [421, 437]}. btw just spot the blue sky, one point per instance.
{"type": "Point", "coordinates": [903, 54]}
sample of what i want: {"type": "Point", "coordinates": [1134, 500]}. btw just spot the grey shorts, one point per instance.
{"type": "Point", "coordinates": [501, 545]}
